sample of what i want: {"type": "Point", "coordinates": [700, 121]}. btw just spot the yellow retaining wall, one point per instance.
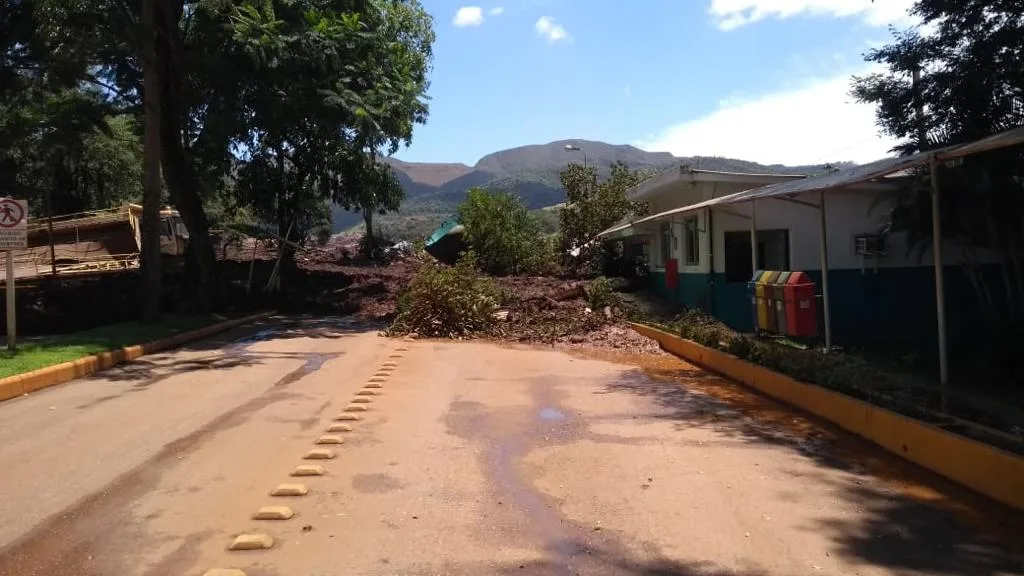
{"type": "Point", "coordinates": [14, 386]}
{"type": "Point", "coordinates": [996, 473]}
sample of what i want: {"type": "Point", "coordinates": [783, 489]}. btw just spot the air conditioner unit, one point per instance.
{"type": "Point", "coordinates": [869, 245]}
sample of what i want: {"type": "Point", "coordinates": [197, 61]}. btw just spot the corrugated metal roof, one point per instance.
{"type": "Point", "coordinates": [848, 176]}
{"type": "Point", "coordinates": [874, 170]}
{"type": "Point", "coordinates": [685, 173]}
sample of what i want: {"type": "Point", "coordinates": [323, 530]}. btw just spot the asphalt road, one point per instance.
{"type": "Point", "coordinates": [470, 459]}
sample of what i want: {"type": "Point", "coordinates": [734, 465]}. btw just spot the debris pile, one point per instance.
{"type": "Point", "coordinates": [532, 309]}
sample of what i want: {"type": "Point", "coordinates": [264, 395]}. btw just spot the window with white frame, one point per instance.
{"type": "Point", "coordinates": [691, 242]}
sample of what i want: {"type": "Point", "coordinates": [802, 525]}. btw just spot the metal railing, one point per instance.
{"type": "Point", "coordinates": [79, 220]}
{"type": "Point", "coordinates": [38, 265]}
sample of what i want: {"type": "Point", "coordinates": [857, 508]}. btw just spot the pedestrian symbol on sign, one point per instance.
{"type": "Point", "coordinates": [10, 213]}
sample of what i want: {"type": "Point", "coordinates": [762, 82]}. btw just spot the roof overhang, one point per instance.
{"type": "Point", "coordinates": [866, 177]}
{"type": "Point", "coordinates": [685, 175]}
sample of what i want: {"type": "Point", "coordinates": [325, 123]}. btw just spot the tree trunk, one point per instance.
{"type": "Point", "coordinates": [151, 273]}
{"type": "Point", "coordinates": [371, 240]}
{"type": "Point", "coordinates": [182, 181]}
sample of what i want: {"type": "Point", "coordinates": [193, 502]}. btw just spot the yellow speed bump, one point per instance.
{"type": "Point", "coordinates": [339, 428]}
{"type": "Point", "coordinates": [319, 454]}
{"type": "Point", "coordinates": [290, 490]}
{"type": "Point", "coordinates": [397, 356]}
{"type": "Point", "coordinates": [223, 572]}
{"type": "Point", "coordinates": [273, 513]}
{"type": "Point", "coordinates": [374, 385]}
{"type": "Point", "coordinates": [308, 470]}
{"type": "Point", "coordinates": [362, 400]}
{"type": "Point", "coordinates": [367, 392]}
{"type": "Point", "coordinates": [355, 408]}
{"type": "Point", "coordinates": [347, 417]}
{"type": "Point", "coordinates": [252, 542]}
{"type": "Point", "coordinates": [391, 364]}
{"type": "Point", "coordinates": [330, 439]}
{"type": "Point", "coordinates": [379, 379]}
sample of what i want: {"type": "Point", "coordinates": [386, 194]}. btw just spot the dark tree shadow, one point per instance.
{"type": "Point", "coordinates": [968, 534]}
{"type": "Point", "coordinates": [231, 349]}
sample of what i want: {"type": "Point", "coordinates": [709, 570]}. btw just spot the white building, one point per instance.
{"type": "Point", "coordinates": [703, 225]}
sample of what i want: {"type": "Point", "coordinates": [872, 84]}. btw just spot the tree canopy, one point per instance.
{"type": "Point", "coordinates": [592, 207]}
{"type": "Point", "coordinates": [504, 235]}
{"type": "Point", "coordinates": [273, 107]}
{"type": "Point", "coordinates": [959, 80]}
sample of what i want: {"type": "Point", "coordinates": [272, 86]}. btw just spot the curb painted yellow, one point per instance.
{"type": "Point", "coordinates": [995, 473]}
{"type": "Point", "coordinates": [14, 386]}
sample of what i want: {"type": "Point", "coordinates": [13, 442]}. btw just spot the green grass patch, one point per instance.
{"type": "Point", "coordinates": [43, 351]}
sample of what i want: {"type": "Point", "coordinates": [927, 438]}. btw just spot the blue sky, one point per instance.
{"type": "Point", "coordinates": [762, 80]}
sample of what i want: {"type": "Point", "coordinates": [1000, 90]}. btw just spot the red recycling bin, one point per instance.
{"type": "Point", "coordinates": [801, 305]}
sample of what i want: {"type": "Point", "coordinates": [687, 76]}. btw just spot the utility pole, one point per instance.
{"type": "Point", "coordinates": [574, 148]}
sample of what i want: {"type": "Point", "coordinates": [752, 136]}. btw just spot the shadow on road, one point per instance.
{"type": "Point", "coordinates": [232, 349]}
{"type": "Point", "coordinates": [910, 520]}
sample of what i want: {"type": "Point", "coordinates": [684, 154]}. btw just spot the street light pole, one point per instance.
{"type": "Point", "coordinates": [574, 148]}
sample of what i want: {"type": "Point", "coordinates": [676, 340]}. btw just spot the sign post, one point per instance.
{"type": "Point", "coordinates": [13, 236]}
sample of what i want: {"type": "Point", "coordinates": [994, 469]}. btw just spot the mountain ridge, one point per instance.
{"type": "Point", "coordinates": [434, 190]}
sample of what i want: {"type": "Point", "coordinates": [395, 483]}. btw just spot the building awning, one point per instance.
{"type": "Point", "coordinates": [686, 174]}
{"type": "Point", "coordinates": [847, 177]}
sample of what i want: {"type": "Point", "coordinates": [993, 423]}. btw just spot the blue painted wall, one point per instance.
{"type": "Point", "coordinates": [895, 307]}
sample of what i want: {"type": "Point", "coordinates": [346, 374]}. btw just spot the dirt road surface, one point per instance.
{"type": "Point", "coordinates": [469, 459]}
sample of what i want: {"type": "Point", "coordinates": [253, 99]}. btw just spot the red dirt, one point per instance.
{"type": "Point", "coordinates": [336, 279]}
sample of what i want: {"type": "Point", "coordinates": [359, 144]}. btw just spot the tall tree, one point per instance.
{"type": "Point", "coordinates": [592, 206]}
{"type": "Point", "coordinates": [299, 85]}
{"type": "Point", "coordinates": [150, 289]}
{"type": "Point", "coordinates": [959, 83]}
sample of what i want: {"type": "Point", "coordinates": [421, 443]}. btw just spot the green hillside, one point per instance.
{"type": "Point", "coordinates": [435, 190]}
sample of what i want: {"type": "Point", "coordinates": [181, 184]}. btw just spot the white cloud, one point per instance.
{"type": "Point", "coordinates": [468, 16]}
{"type": "Point", "coordinates": [497, 11]}
{"type": "Point", "coordinates": [731, 14]}
{"type": "Point", "coordinates": [814, 123]}
{"type": "Point", "coordinates": [548, 28]}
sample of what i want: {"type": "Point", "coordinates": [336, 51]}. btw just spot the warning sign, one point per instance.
{"type": "Point", "coordinates": [13, 224]}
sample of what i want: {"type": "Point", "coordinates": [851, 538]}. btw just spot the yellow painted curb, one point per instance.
{"type": "Point", "coordinates": [14, 386]}
{"type": "Point", "coordinates": [991, 471]}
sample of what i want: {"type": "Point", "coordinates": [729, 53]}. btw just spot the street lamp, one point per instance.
{"type": "Point", "coordinates": [574, 148]}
